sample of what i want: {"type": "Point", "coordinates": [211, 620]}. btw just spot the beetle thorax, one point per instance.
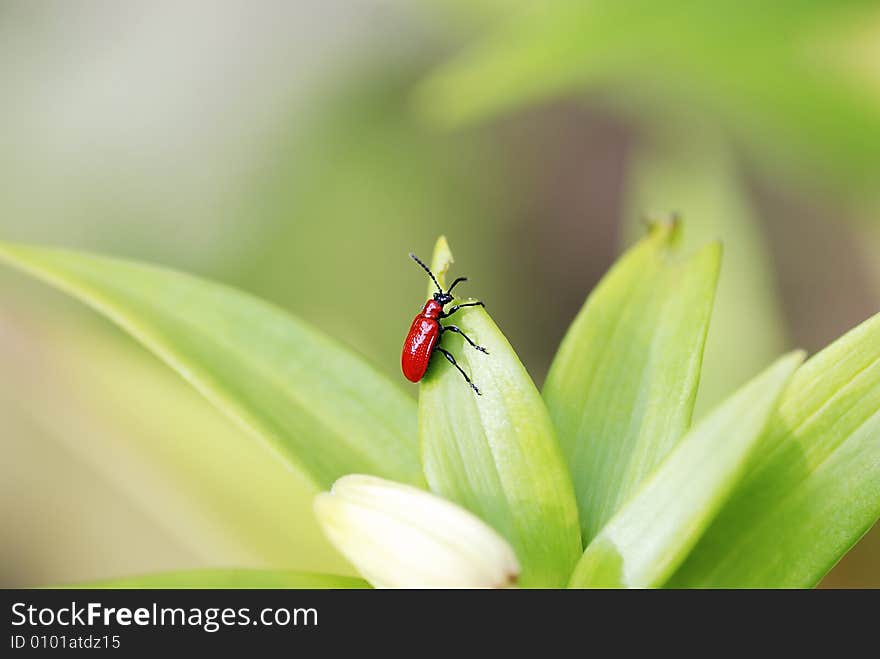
{"type": "Point", "coordinates": [432, 309]}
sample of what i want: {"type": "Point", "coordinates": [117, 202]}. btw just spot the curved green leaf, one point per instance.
{"type": "Point", "coordinates": [622, 386]}
{"type": "Point", "coordinates": [813, 487]}
{"type": "Point", "coordinates": [231, 578]}
{"type": "Point", "coordinates": [652, 534]}
{"type": "Point", "coordinates": [319, 406]}
{"type": "Point", "coordinates": [691, 169]}
{"type": "Point", "coordinates": [496, 454]}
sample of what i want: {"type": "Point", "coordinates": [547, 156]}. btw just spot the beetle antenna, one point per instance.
{"type": "Point", "coordinates": [457, 281]}
{"type": "Point", "coordinates": [426, 269]}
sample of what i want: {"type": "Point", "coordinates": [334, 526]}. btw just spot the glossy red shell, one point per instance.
{"type": "Point", "coordinates": [420, 342]}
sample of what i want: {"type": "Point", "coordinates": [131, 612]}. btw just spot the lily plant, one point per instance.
{"type": "Point", "coordinates": [600, 480]}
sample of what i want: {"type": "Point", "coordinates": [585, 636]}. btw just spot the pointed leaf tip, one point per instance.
{"type": "Point", "coordinates": [496, 454]}
{"type": "Point", "coordinates": [622, 386]}
{"type": "Point", "coordinates": [441, 260]}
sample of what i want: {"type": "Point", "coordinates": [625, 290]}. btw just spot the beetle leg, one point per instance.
{"type": "Point", "coordinates": [452, 361]}
{"type": "Point", "coordinates": [457, 330]}
{"type": "Point", "coordinates": [452, 310]}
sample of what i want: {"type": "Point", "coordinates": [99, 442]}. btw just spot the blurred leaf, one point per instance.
{"type": "Point", "coordinates": [691, 171]}
{"type": "Point", "coordinates": [231, 578]}
{"type": "Point", "coordinates": [196, 473]}
{"type": "Point", "coordinates": [652, 534]}
{"type": "Point", "coordinates": [102, 400]}
{"type": "Point", "coordinates": [496, 454]}
{"type": "Point", "coordinates": [868, 243]}
{"type": "Point", "coordinates": [622, 386]}
{"type": "Point", "coordinates": [464, 15]}
{"type": "Point", "coordinates": [323, 409]}
{"type": "Point", "coordinates": [65, 521]}
{"type": "Point", "coordinates": [813, 486]}
{"type": "Point", "coordinates": [718, 56]}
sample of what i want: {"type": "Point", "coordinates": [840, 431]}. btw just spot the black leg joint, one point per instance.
{"type": "Point", "coordinates": [457, 330]}
{"type": "Point", "coordinates": [452, 361]}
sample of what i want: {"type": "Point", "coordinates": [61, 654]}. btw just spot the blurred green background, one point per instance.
{"type": "Point", "coordinates": [299, 150]}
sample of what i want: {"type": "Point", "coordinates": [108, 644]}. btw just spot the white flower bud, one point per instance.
{"type": "Point", "coordinates": [399, 536]}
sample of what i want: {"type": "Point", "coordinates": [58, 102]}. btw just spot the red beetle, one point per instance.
{"type": "Point", "coordinates": [425, 332]}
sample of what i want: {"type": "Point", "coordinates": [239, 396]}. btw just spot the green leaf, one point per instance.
{"type": "Point", "coordinates": [690, 169]}
{"type": "Point", "coordinates": [320, 407]}
{"type": "Point", "coordinates": [496, 454]}
{"type": "Point", "coordinates": [622, 386]}
{"type": "Point", "coordinates": [653, 533]}
{"type": "Point", "coordinates": [231, 578]}
{"type": "Point", "coordinates": [813, 487]}
{"type": "Point", "coordinates": [717, 57]}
